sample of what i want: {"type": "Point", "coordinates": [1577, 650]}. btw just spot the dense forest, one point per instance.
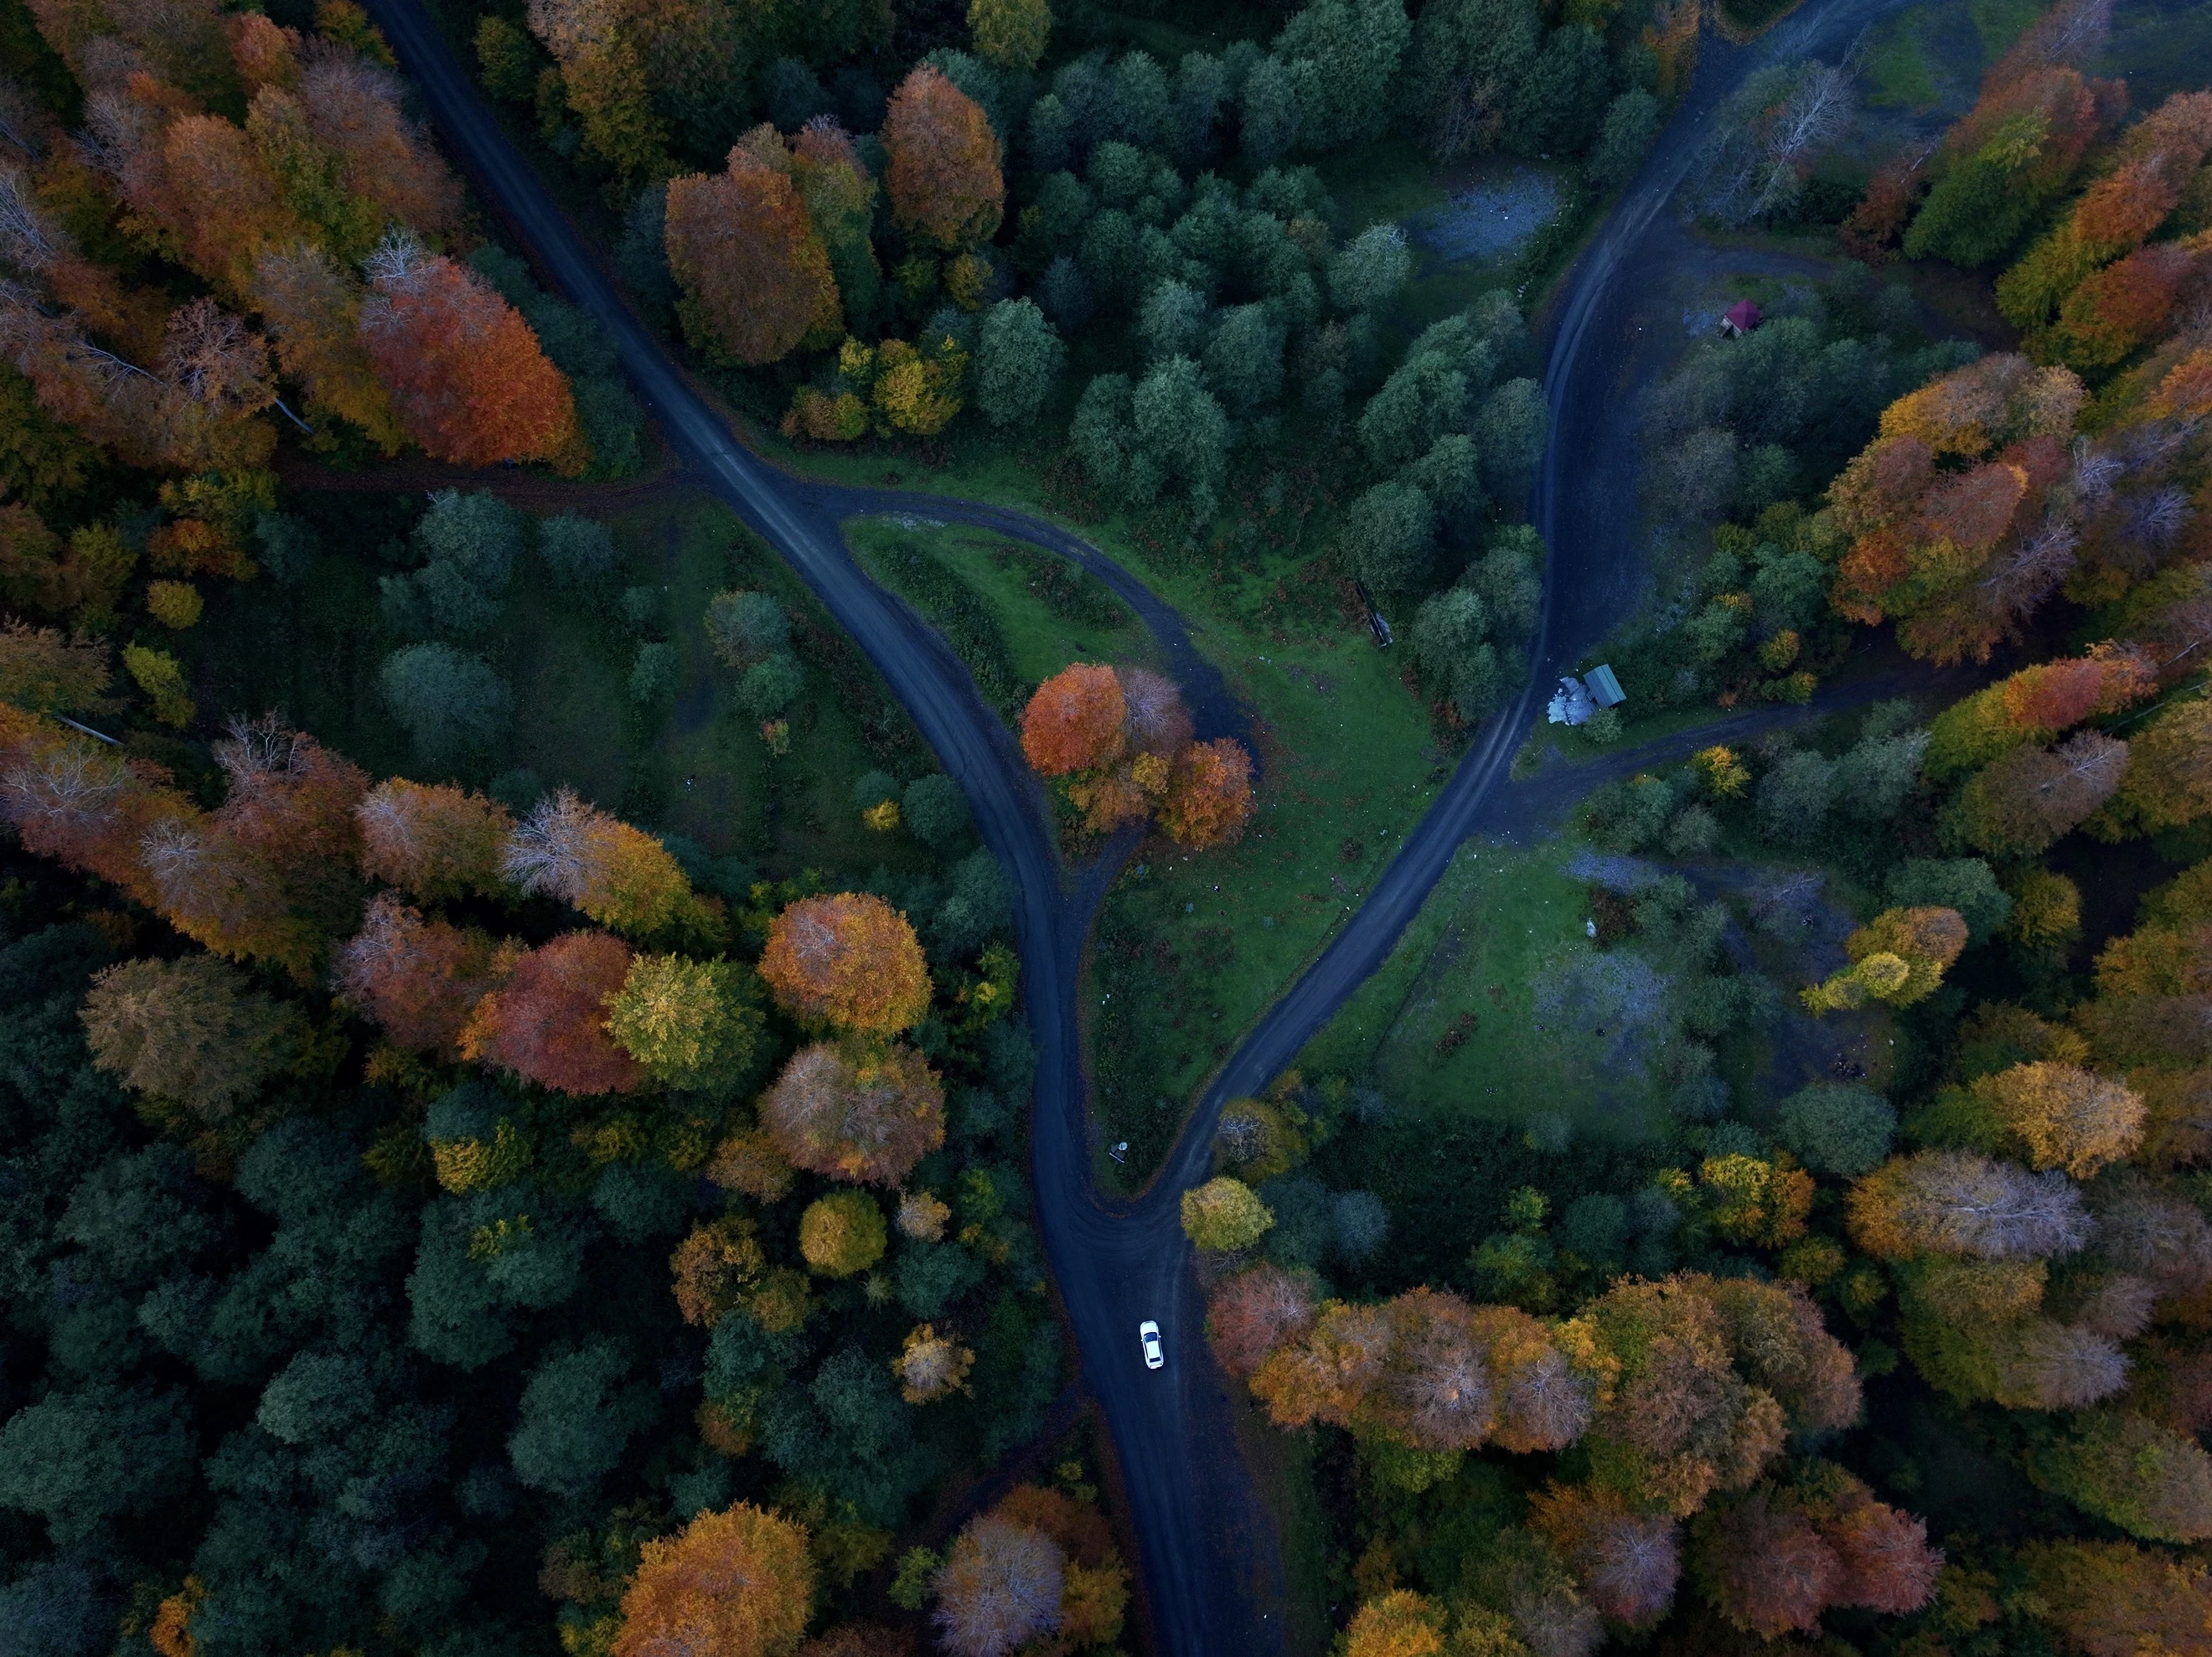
{"type": "Point", "coordinates": [514, 1091]}
{"type": "Point", "coordinates": [1905, 1353]}
{"type": "Point", "coordinates": [441, 1215]}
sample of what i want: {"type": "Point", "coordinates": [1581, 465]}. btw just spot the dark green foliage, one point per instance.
{"type": "Point", "coordinates": [1343, 57]}
{"type": "Point", "coordinates": [1795, 797]}
{"type": "Point", "coordinates": [285, 545]}
{"type": "Point", "coordinates": [850, 1435]}
{"type": "Point", "coordinates": [747, 626]}
{"type": "Point", "coordinates": [771, 685]}
{"type": "Point", "coordinates": [930, 1277]}
{"type": "Point", "coordinates": [1450, 474]}
{"type": "Point", "coordinates": [950, 604]}
{"type": "Point", "coordinates": [1837, 1129]}
{"type": "Point", "coordinates": [450, 702]}
{"type": "Point", "coordinates": [76, 1458]}
{"type": "Point", "coordinates": [1244, 360]}
{"type": "Point", "coordinates": [1977, 209]}
{"type": "Point", "coordinates": [1966, 884]}
{"type": "Point", "coordinates": [1459, 45]}
{"type": "Point", "coordinates": [1138, 442]}
{"type": "Point", "coordinates": [1450, 644]}
{"type": "Point", "coordinates": [1389, 537]}
{"type": "Point", "coordinates": [1304, 1220]}
{"type": "Point", "coordinates": [1509, 429]}
{"type": "Point", "coordinates": [1371, 269]}
{"type": "Point", "coordinates": [1017, 362]}
{"type": "Point", "coordinates": [59, 1607]}
{"type": "Point", "coordinates": [1631, 123]}
{"type": "Point", "coordinates": [1017, 1366]}
{"type": "Point", "coordinates": [1270, 124]}
{"type": "Point", "coordinates": [470, 543]}
{"type": "Point", "coordinates": [1510, 578]}
{"type": "Point", "coordinates": [140, 1215]}
{"type": "Point", "coordinates": [641, 257]}
{"type": "Point", "coordinates": [1361, 1223]}
{"type": "Point", "coordinates": [578, 1411]}
{"type": "Point", "coordinates": [458, 1316]}
{"type": "Point", "coordinates": [1064, 293]}
{"type": "Point", "coordinates": [642, 1201]}
{"type": "Point", "coordinates": [742, 1355]}
{"type": "Point", "coordinates": [1172, 321]}
{"type": "Point", "coordinates": [979, 904]}
{"type": "Point", "coordinates": [579, 550]}
{"type": "Point", "coordinates": [1595, 1226]}
{"type": "Point", "coordinates": [1425, 397]}
{"type": "Point", "coordinates": [1558, 104]}
{"type": "Point", "coordinates": [934, 810]}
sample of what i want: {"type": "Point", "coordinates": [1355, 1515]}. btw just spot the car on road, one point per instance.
{"type": "Point", "coordinates": [1148, 1335]}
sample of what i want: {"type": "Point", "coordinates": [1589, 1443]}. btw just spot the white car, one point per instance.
{"type": "Point", "coordinates": [1148, 1333]}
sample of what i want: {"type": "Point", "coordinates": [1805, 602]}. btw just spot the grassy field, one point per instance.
{"type": "Point", "coordinates": [694, 765]}
{"type": "Point", "coordinates": [1192, 947]}
{"type": "Point", "coordinates": [1448, 1027]}
{"type": "Point", "coordinates": [1015, 613]}
{"type": "Point", "coordinates": [1897, 71]}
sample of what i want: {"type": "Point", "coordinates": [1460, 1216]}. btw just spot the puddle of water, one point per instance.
{"type": "Point", "coordinates": [1488, 219]}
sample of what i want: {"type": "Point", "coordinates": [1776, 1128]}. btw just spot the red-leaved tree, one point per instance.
{"type": "Point", "coordinates": [418, 980]}
{"type": "Point", "coordinates": [467, 380]}
{"type": "Point", "coordinates": [547, 1023]}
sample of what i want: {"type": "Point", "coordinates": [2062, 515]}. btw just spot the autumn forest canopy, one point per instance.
{"type": "Point", "coordinates": [515, 1063]}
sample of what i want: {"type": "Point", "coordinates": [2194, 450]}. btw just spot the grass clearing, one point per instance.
{"type": "Point", "coordinates": [1014, 613]}
{"type": "Point", "coordinates": [1192, 947]}
{"type": "Point", "coordinates": [1897, 71]}
{"type": "Point", "coordinates": [1448, 1027]}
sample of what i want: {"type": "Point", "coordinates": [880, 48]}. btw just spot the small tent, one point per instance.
{"type": "Point", "coordinates": [1740, 318]}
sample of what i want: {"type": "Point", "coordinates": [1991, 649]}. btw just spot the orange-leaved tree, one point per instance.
{"type": "Point", "coordinates": [737, 1582]}
{"type": "Point", "coordinates": [2156, 159]}
{"type": "Point", "coordinates": [1076, 721]}
{"type": "Point", "coordinates": [755, 275]}
{"type": "Point", "coordinates": [433, 841]}
{"type": "Point", "coordinates": [467, 378]}
{"type": "Point", "coordinates": [2036, 704]}
{"type": "Point", "coordinates": [1958, 557]}
{"type": "Point", "coordinates": [848, 961]}
{"type": "Point", "coordinates": [868, 1119]}
{"type": "Point", "coordinates": [621, 877]}
{"type": "Point", "coordinates": [312, 310]}
{"type": "Point", "coordinates": [946, 185]}
{"type": "Point", "coordinates": [1209, 794]}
